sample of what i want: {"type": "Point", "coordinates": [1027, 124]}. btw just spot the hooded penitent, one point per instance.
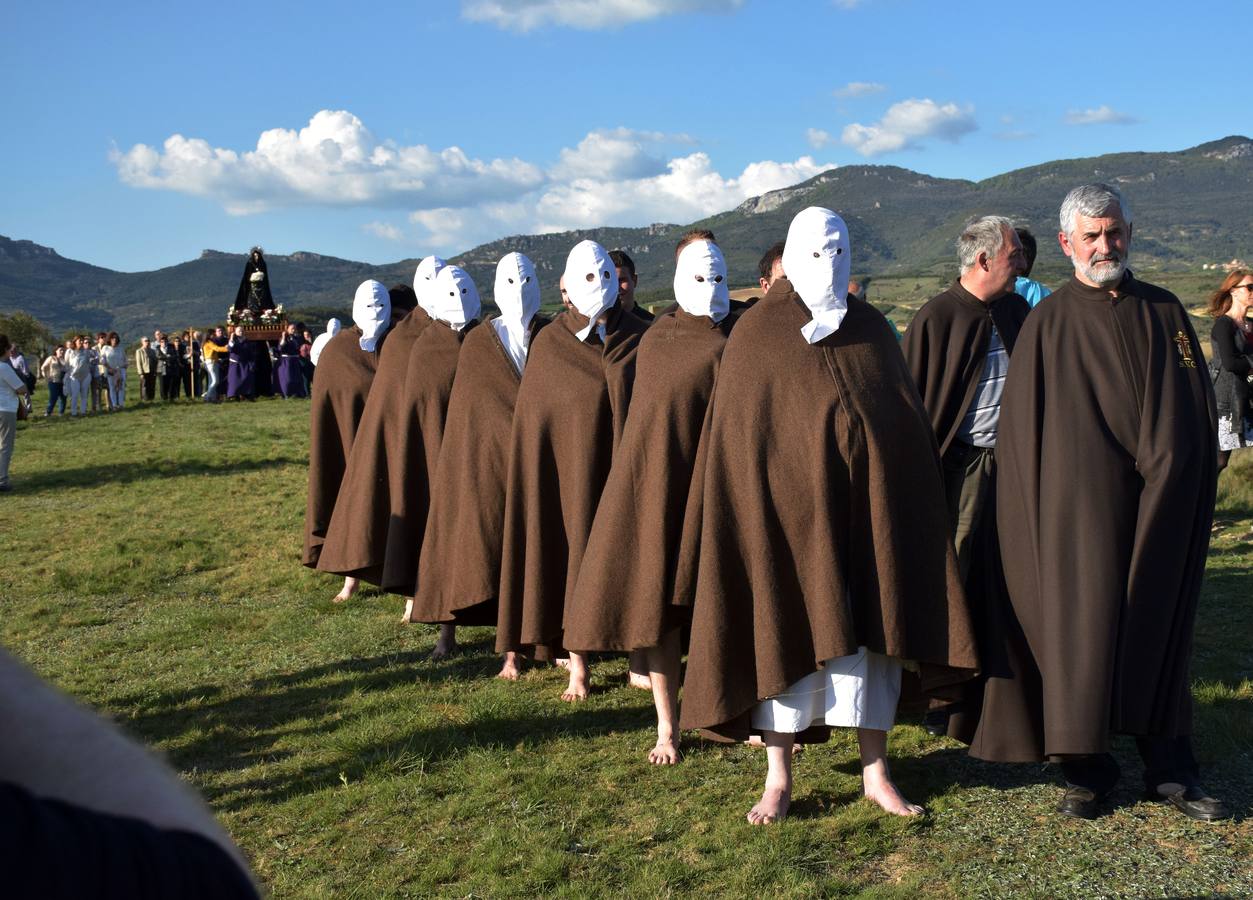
{"type": "Point", "coordinates": [817, 250]}
{"type": "Point", "coordinates": [625, 606]}
{"type": "Point", "coordinates": [428, 384]}
{"type": "Point", "coordinates": [319, 343]}
{"type": "Point", "coordinates": [459, 571]}
{"type": "Point", "coordinates": [823, 524]}
{"type": "Point", "coordinates": [567, 421]}
{"type": "Point", "coordinates": [517, 297]}
{"type": "Point", "coordinates": [371, 312]}
{"type": "Point", "coordinates": [591, 283]}
{"type": "Point", "coordinates": [424, 280]}
{"type": "Point", "coordinates": [345, 374]}
{"type": "Point", "coordinates": [357, 539]}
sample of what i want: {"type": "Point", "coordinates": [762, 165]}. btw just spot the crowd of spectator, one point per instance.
{"type": "Point", "coordinates": [88, 377]}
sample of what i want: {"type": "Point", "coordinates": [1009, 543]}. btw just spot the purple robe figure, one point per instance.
{"type": "Point", "coordinates": [291, 380]}
{"type": "Point", "coordinates": [241, 369]}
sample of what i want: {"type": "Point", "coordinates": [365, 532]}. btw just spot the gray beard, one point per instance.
{"type": "Point", "coordinates": [1104, 276]}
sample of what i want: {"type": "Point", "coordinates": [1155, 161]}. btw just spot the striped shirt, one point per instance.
{"type": "Point", "coordinates": [983, 418]}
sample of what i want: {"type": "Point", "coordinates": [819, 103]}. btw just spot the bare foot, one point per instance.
{"type": "Point", "coordinates": [405, 619]}
{"type": "Point", "coordinates": [772, 807]}
{"type": "Point", "coordinates": [349, 588]}
{"type": "Point", "coordinates": [884, 793]}
{"type": "Point", "coordinates": [666, 753]}
{"type": "Point", "coordinates": [640, 680]}
{"type": "Point", "coordinates": [446, 645]}
{"type": "Point", "coordinates": [577, 688]}
{"type": "Point", "coordinates": [510, 671]}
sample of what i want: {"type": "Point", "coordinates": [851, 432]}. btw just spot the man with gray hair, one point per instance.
{"type": "Point", "coordinates": [1107, 471]}
{"type": "Point", "coordinates": [958, 349]}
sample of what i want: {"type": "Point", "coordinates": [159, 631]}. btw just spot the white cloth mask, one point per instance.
{"type": "Point", "coordinates": [319, 343]}
{"type": "Point", "coordinates": [455, 298]}
{"type": "Point", "coordinates": [424, 281]}
{"type": "Point", "coordinates": [817, 260]}
{"type": "Point", "coordinates": [517, 296]}
{"type": "Point", "coordinates": [591, 282]}
{"type": "Point", "coordinates": [371, 312]}
{"type": "Point", "coordinates": [700, 281]}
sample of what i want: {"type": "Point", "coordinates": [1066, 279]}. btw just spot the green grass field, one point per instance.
{"type": "Point", "coordinates": [152, 570]}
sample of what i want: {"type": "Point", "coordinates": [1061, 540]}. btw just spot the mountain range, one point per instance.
{"type": "Point", "coordinates": [1190, 207]}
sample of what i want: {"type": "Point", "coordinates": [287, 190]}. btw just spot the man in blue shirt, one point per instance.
{"type": "Point", "coordinates": [1032, 291]}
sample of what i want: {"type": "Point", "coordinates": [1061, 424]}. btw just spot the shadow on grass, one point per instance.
{"type": "Point", "coordinates": [129, 473]}
{"type": "Point", "coordinates": [243, 729]}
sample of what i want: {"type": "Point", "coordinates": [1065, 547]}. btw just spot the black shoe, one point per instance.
{"type": "Point", "coordinates": [1194, 803]}
{"type": "Point", "coordinates": [936, 722]}
{"type": "Point", "coordinates": [1079, 803]}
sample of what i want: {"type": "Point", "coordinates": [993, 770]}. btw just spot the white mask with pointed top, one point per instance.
{"type": "Point", "coordinates": [371, 312]}
{"type": "Point", "coordinates": [700, 281]}
{"type": "Point", "coordinates": [591, 282]}
{"type": "Point", "coordinates": [516, 292]}
{"type": "Point", "coordinates": [424, 281]}
{"type": "Point", "coordinates": [817, 261]}
{"type": "Point", "coordinates": [455, 298]}
{"type": "Point", "coordinates": [333, 327]}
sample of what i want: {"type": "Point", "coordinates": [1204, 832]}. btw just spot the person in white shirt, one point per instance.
{"type": "Point", "coordinates": [78, 375]}
{"type": "Point", "coordinates": [12, 391]}
{"type": "Point", "coordinates": [115, 362]}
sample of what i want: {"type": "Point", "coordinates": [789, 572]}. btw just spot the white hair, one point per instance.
{"type": "Point", "coordinates": [1092, 200]}
{"type": "Point", "coordinates": [982, 235]}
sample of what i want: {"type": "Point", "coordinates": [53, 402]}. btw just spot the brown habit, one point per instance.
{"type": "Point", "coordinates": [946, 345]}
{"type": "Point", "coordinates": [568, 419]}
{"type": "Point", "coordinates": [376, 469]}
{"type": "Point", "coordinates": [459, 571]}
{"type": "Point", "coordinates": [946, 348]}
{"type": "Point", "coordinates": [824, 524]}
{"type": "Point", "coordinates": [622, 597]}
{"type": "Point", "coordinates": [1107, 455]}
{"type": "Point", "coordinates": [344, 375]}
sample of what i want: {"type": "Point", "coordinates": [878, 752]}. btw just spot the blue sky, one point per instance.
{"type": "Point", "coordinates": [141, 134]}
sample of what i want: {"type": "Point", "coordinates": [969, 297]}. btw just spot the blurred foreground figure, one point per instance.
{"type": "Point", "coordinates": [1107, 479]}
{"type": "Point", "coordinates": [86, 812]}
{"type": "Point", "coordinates": [825, 567]}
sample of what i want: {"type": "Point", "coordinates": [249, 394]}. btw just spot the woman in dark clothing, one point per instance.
{"type": "Point", "coordinates": [1231, 364]}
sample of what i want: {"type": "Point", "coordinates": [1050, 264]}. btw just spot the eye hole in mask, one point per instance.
{"type": "Point", "coordinates": [465, 290]}
{"type": "Point", "coordinates": [511, 281]}
{"type": "Point", "coordinates": [717, 279]}
{"type": "Point", "coordinates": [816, 254]}
{"type": "Point", "coordinates": [839, 250]}
{"type": "Point", "coordinates": [591, 276]}
{"type": "Point", "coordinates": [606, 274]}
{"type": "Point", "coordinates": [700, 278]}
{"type": "Point", "coordinates": [526, 280]}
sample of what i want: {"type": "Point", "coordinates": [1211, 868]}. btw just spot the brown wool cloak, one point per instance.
{"type": "Point", "coordinates": [376, 470]}
{"type": "Point", "coordinates": [1107, 455]}
{"type": "Point", "coordinates": [567, 422]}
{"type": "Point", "coordinates": [459, 571]}
{"type": "Point", "coordinates": [345, 373]}
{"type": "Point", "coordinates": [432, 368]}
{"type": "Point", "coordinates": [824, 525]}
{"type": "Point", "coordinates": [945, 347]}
{"type": "Point", "coordinates": [623, 602]}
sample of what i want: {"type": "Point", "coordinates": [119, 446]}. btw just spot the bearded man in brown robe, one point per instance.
{"type": "Point", "coordinates": [1106, 496]}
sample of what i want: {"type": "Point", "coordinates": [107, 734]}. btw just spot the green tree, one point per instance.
{"type": "Point", "coordinates": [28, 333]}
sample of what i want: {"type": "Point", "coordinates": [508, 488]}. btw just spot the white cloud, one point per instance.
{"type": "Point", "coordinates": [334, 160]}
{"type": "Point", "coordinates": [908, 122]}
{"type": "Point", "coordinates": [1102, 115]}
{"type": "Point", "coordinates": [611, 177]}
{"type": "Point", "coordinates": [527, 15]}
{"type": "Point", "coordinates": [818, 138]}
{"type": "Point", "coordinates": [860, 89]}
{"type": "Point", "coordinates": [384, 230]}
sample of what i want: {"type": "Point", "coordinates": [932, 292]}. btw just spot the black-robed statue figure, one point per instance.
{"type": "Point", "coordinates": [254, 294]}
